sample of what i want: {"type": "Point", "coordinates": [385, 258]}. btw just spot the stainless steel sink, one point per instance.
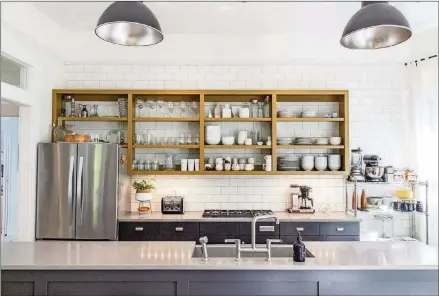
{"type": "Point", "coordinates": [228, 251]}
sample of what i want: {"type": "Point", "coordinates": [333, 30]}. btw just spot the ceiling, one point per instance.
{"type": "Point", "coordinates": [211, 31]}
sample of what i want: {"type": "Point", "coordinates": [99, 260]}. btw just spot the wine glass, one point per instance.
{"type": "Point", "coordinates": [160, 103]}
{"type": "Point", "coordinates": [151, 104]}
{"type": "Point", "coordinates": [171, 108]}
{"type": "Point", "coordinates": [182, 108]}
{"type": "Point", "coordinates": [139, 106]}
{"type": "Point", "coordinates": [194, 107]}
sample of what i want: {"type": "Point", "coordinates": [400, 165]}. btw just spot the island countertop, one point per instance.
{"type": "Point", "coordinates": [197, 217]}
{"type": "Point", "coordinates": [80, 255]}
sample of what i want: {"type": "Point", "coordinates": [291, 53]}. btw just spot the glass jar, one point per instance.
{"type": "Point", "coordinates": [255, 135]}
{"type": "Point", "coordinates": [169, 162]}
{"type": "Point", "coordinates": [267, 107]}
{"type": "Point", "coordinates": [244, 111]}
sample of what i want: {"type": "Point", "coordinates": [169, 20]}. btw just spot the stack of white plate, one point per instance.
{"type": "Point", "coordinates": [284, 114]}
{"type": "Point", "coordinates": [288, 163]}
{"type": "Point", "coordinates": [303, 141]}
{"type": "Point", "coordinates": [284, 141]}
{"type": "Point", "coordinates": [322, 141]}
{"type": "Point", "coordinates": [309, 114]}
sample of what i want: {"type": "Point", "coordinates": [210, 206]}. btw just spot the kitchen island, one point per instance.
{"type": "Point", "coordinates": [168, 268]}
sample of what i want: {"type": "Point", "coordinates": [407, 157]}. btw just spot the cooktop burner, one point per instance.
{"type": "Point", "coordinates": [235, 213]}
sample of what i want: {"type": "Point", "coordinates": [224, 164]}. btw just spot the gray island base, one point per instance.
{"type": "Point", "coordinates": [167, 268]}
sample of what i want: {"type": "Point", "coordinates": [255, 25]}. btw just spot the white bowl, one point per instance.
{"type": "Point", "coordinates": [307, 166]}
{"type": "Point", "coordinates": [228, 140]}
{"type": "Point", "coordinates": [334, 167]}
{"type": "Point", "coordinates": [335, 140]}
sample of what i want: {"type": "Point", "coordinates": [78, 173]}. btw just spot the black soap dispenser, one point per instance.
{"type": "Point", "coordinates": [299, 250]}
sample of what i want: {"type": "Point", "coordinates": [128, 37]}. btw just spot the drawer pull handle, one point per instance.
{"type": "Point", "coordinates": [138, 229]}
{"type": "Point", "coordinates": [340, 229]}
{"type": "Point", "coordinates": [299, 228]}
{"type": "Point", "coordinates": [179, 229]}
{"type": "Point", "coordinates": [266, 228]}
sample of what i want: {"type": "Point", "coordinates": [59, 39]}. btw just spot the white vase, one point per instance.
{"type": "Point", "coordinates": [212, 134]}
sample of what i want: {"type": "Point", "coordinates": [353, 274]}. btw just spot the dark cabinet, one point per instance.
{"type": "Point", "coordinates": [139, 231]}
{"type": "Point", "coordinates": [340, 228]}
{"type": "Point", "coordinates": [289, 239]}
{"type": "Point", "coordinates": [179, 231]}
{"type": "Point", "coordinates": [219, 229]}
{"type": "Point", "coordinates": [342, 238]}
{"type": "Point", "coordinates": [305, 228]}
{"type": "Point", "coordinates": [262, 228]}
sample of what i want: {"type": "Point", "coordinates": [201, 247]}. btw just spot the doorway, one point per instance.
{"type": "Point", "coordinates": [9, 149]}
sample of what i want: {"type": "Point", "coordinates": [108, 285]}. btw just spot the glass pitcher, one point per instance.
{"type": "Point", "coordinates": [169, 163]}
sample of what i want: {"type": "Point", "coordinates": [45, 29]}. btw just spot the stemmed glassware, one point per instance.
{"type": "Point", "coordinates": [160, 103]}
{"type": "Point", "coordinates": [171, 109]}
{"type": "Point", "coordinates": [182, 108]}
{"type": "Point", "coordinates": [194, 107]}
{"type": "Point", "coordinates": [139, 106]}
{"type": "Point", "coordinates": [151, 104]}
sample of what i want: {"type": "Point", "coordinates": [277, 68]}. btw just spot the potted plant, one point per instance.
{"type": "Point", "coordinates": [144, 189]}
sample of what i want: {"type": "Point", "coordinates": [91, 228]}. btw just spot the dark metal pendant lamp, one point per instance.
{"type": "Point", "coordinates": [130, 24]}
{"type": "Point", "coordinates": [376, 25]}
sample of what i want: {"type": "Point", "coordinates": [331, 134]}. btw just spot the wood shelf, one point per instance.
{"type": "Point", "coordinates": [310, 119]}
{"type": "Point", "coordinates": [237, 146]}
{"type": "Point", "coordinates": [166, 119]}
{"type": "Point", "coordinates": [94, 118]}
{"type": "Point", "coordinates": [340, 97]}
{"type": "Point", "coordinates": [168, 146]}
{"type": "Point", "coordinates": [238, 119]}
{"type": "Point", "coordinates": [310, 146]}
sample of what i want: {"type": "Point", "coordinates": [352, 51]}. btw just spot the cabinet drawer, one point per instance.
{"type": "Point", "coordinates": [340, 228]}
{"type": "Point", "coordinates": [262, 228]}
{"type": "Point", "coordinates": [220, 239]}
{"type": "Point", "coordinates": [137, 231]}
{"type": "Point", "coordinates": [179, 228]}
{"type": "Point", "coordinates": [305, 228]}
{"type": "Point", "coordinates": [290, 239]}
{"type": "Point", "coordinates": [219, 228]}
{"type": "Point", "coordinates": [342, 238]}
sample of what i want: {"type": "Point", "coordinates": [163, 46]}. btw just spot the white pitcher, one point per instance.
{"type": "Point", "coordinates": [267, 165]}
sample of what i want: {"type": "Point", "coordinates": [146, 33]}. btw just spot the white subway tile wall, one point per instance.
{"type": "Point", "coordinates": [378, 97]}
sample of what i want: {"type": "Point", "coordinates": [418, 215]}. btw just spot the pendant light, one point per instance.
{"type": "Point", "coordinates": [376, 25]}
{"type": "Point", "coordinates": [130, 24]}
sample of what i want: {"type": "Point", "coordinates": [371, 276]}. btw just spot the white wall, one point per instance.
{"type": "Point", "coordinates": [35, 121]}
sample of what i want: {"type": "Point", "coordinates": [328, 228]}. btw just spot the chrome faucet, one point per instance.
{"type": "Point", "coordinates": [253, 248]}
{"type": "Point", "coordinates": [203, 242]}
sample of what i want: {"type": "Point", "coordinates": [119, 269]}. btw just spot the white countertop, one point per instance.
{"type": "Point", "coordinates": [43, 255]}
{"type": "Point", "coordinates": [197, 217]}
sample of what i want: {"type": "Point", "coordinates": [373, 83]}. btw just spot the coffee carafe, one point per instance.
{"type": "Point", "coordinates": [306, 201]}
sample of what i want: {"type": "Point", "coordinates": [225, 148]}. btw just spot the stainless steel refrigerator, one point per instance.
{"type": "Point", "coordinates": [78, 190]}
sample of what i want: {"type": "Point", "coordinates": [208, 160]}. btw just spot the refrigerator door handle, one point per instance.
{"type": "Point", "coordinates": [70, 187]}
{"type": "Point", "coordinates": [79, 195]}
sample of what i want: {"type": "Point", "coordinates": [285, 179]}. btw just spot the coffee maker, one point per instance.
{"type": "Point", "coordinates": [356, 166]}
{"type": "Point", "coordinates": [373, 171]}
{"type": "Point", "coordinates": [301, 200]}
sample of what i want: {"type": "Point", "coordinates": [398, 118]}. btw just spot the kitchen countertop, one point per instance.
{"type": "Point", "coordinates": [197, 217]}
{"type": "Point", "coordinates": [81, 255]}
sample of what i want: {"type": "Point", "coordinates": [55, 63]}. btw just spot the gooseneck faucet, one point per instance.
{"type": "Point", "coordinates": [254, 220]}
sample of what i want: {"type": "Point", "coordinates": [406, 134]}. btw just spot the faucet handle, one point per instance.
{"type": "Point", "coordinates": [203, 240]}
{"type": "Point", "coordinates": [274, 240]}
{"type": "Point", "coordinates": [232, 240]}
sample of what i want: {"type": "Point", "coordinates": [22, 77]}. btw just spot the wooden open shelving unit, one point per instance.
{"type": "Point", "coordinates": [203, 96]}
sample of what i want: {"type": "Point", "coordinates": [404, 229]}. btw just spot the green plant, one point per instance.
{"type": "Point", "coordinates": [144, 184]}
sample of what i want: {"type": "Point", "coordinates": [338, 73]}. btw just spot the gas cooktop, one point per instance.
{"type": "Point", "coordinates": [235, 213]}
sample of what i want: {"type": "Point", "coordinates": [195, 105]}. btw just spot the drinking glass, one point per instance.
{"type": "Point", "coordinates": [148, 139]}
{"type": "Point", "coordinates": [171, 109]}
{"type": "Point", "coordinates": [189, 139]}
{"type": "Point", "coordinates": [197, 139]}
{"type": "Point", "coordinates": [182, 108]}
{"type": "Point", "coordinates": [181, 140]}
{"type": "Point", "coordinates": [160, 103]}
{"type": "Point", "coordinates": [155, 165]}
{"type": "Point", "coordinates": [151, 104]}
{"type": "Point", "coordinates": [139, 106]}
{"type": "Point", "coordinates": [138, 139]}
{"type": "Point", "coordinates": [141, 166]}
{"type": "Point", "coordinates": [194, 107]}
{"type": "Point", "coordinates": [148, 165]}
{"type": "Point", "coordinates": [163, 141]}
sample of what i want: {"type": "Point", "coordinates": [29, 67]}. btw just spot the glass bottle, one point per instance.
{"type": "Point", "coordinates": [267, 107]}
{"type": "Point", "coordinates": [59, 132]}
{"type": "Point", "coordinates": [363, 199]}
{"type": "Point", "coordinates": [261, 110]}
{"type": "Point", "coordinates": [72, 107]}
{"type": "Point", "coordinates": [354, 200]}
{"type": "Point", "coordinates": [84, 112]}
{"type": "Point", "coordinates": [254, 109]}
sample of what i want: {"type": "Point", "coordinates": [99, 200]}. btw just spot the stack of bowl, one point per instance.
{"type": "Point", "coordinates": [335, 140]}
{"type": "Point", "coordinates": [307, 162]}
{"type": "Point", "coordinates": [321, 163]}
{"type": "Point", "coordinates": [334, 162]}
{"type": "Point", "coordinates": [288, 163]}
{"type": "Point", "coordinates": [212, 134]}
{"type": "Point", "coordinates": [322, 141]}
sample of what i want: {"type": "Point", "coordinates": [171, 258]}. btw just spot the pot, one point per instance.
{"type": "Point", "coordinates": [143, 195]}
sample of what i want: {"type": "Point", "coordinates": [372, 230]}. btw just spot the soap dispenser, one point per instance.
{"type": "Point", "coordinates": [299, 250]}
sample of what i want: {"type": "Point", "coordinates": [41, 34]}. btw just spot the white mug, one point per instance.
{"type": "Point", "coordinates": [251, 160]}
{"type": "Point", "coordinates": [219, 167]}
{"type": "Point", "coordinates": [184, 165]}
{"type": "Point", "coordinates": [248, 167]}
{"type": "Point", "coordinates": [242, 135]}
{"type": "Point", "coordinates": [197, 165]}
{"type": "Point", "coordinates": [248, 141]}
{"type": "Point", "coordinates": [227, 166]}
{"type": "Point", "coordinates": [191, 165]}
{"type": "Point", "coordinates": [242, 166]}
{"type": "Point", "coordinates": [235, 167]}
{"type": "Point", "coordinates": [219, 160]}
